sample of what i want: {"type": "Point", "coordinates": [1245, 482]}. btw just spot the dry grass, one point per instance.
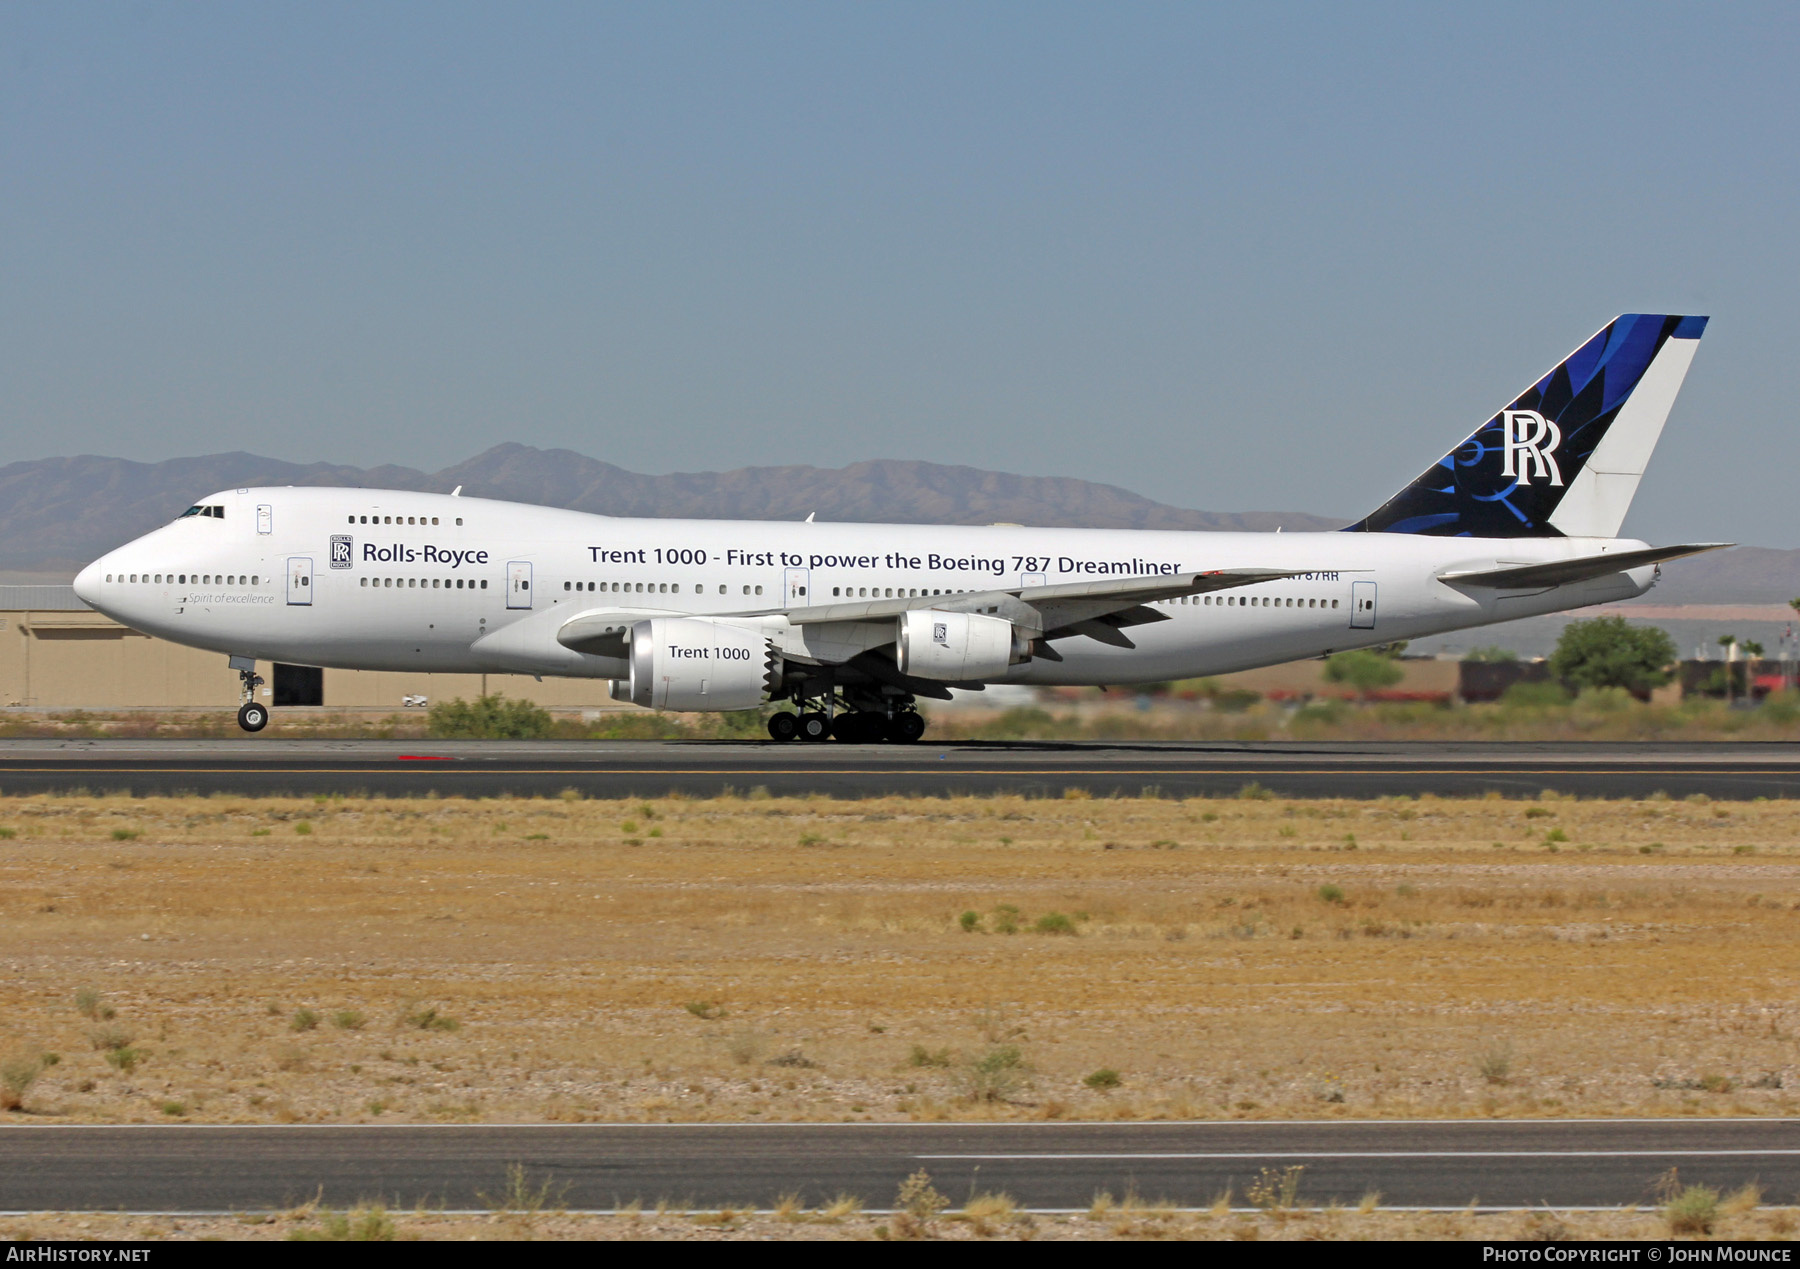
{"type": "Point", "coordinates": [521, 960]}
{"type": "Point", "coordinates": [995, 1220]}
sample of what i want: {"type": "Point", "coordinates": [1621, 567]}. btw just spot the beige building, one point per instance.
{"type": "Point", "coordinates": [57, 653]}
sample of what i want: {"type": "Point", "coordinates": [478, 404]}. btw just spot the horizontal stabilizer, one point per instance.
{"type": "Point", "coordinates": [1580, 569]}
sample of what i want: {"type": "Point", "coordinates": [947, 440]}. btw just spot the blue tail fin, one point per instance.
{"type": "Point", "coordinates": [1564, 459]}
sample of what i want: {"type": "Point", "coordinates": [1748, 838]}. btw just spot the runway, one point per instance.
{"type": "Point", "coordinates": [620, 769]}
{"type": "Point", "coordinates": [1439, 1164]}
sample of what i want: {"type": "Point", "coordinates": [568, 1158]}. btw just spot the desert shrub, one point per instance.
{"type": "Point", "coordinates": [998, 1075]}
{"type": "Point", "coordinates": [124, 1059]}
{"type": "Point", "coordinates": [746, 1047]}
{"type": "Point", "coordinates": [18, 1072]}
{"type": "Point", "coordinates": [1331, 894]}
{"type": "Point", "coordinates": [521, 1198]}
{"type": "Point", "coordinates": [427, 1018]}
{"type": "Point", "coordinates": [488, 718]}
{"type": "Point", "coordinates": [1275, 1189]}
{"type": "Point", "coordinates": [970, 922]}
{"type": "Point", "coordinates": [124, 834]}
{"type": "Point", "coordinates": [109, 1039]}
{"type": "Point", "coordinates": [922, 1056]}
{"type": "Point", "coordinates": [348, 1020]}
{"type": "Point", "coordinates": [368, 1224]}
{"type": "Point", "coordinates": [304, 1019]}
{"type": "Point", "coordinates": [1693, 1209]}
{"type": "Point", "coordinates": [1054, 923]}
{"type": "Point", "coordinates": [919, 1198]}
{"type": "Point", "coordinates": [710, 1010]}
{"type": "Point", "coordinates": [90, 1004]}
{"type": "Point", "coordinates": [1495, 1063]}
{"type": "Point", "coordinates": [1103, 1079]}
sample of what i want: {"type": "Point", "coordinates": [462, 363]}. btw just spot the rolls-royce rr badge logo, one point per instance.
{"type": "Point", "coordinates": [940, 632]}
{"type": "Point", "coordinates": [1529, 442]}
{"type": "Point", "coordinates": [341, 554]}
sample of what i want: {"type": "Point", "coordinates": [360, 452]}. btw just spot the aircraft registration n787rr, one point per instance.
{"type": "Point", "coordinates": [854, 622]}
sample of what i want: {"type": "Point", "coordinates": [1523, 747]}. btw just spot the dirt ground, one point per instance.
{"type": "Point", "coordinates": [993, 1219]}
{"type": "Point", "coordinates": [342, 960]}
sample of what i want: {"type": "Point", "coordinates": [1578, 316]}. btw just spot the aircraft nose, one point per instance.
{"type": "Point", "coordinates": [87, 583]}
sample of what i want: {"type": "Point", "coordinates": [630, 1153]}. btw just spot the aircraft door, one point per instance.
{"type": "Point", "coordinates": [518, 584]}
{"type": "Point", "coordinates": [798, 585]}
{"type": "Point", "coordinates": [265, 518]}
{"type": "Point", "coordinates": [1362, 605]}
{"type": "Point", "coordinates": [299, 579]}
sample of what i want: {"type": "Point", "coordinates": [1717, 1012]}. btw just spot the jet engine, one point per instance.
{"type": "Point", "coordinates": [682, 663]}
{"type": "Point", "coordinates": [958, 647]}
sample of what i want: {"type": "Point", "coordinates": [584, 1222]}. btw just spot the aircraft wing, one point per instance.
{"type": "Point", "coordinates": [1580, 569]}
{"type": "Point", "coordinates": [1097, 609]}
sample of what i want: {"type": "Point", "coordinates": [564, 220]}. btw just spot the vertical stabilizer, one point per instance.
{"type": "Point", "coordinates": [1565, 458]}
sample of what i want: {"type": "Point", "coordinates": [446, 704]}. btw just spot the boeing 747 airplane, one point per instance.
{"type": "Point", "coordinates": [853, 623]}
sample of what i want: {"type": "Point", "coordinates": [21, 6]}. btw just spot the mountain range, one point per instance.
{"type": "Point", "coordinates": [58, 513]}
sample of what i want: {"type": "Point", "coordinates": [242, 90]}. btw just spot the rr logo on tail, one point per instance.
{"type": "Point", "coordinates": [1530, 442]}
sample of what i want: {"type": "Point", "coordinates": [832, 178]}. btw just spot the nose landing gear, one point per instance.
{"type": "Point", "coordinates": [251, 716]}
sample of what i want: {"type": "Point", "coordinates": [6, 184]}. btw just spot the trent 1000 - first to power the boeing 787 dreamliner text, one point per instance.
{"type": "Point", "coordinates": [853, 623]}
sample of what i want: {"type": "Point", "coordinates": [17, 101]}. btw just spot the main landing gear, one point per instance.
{"type": "Point", "coordinates": [901, 725]}
{"type": "Point", "coordinates": [251, 715]}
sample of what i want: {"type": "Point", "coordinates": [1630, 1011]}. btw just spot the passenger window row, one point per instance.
{"type": "Point", "coordinates": [890, 592]}
{"type": "Point", "coordinates": [423, 583]}
{"type": "Point", "coordinates": [1251, 601]}
{"type": "Point", "coordinates": [651, 588]}
{"type": "Point", "coordinates": [182, 579]}
{"type": "Point", "coordinates": [399, 520]}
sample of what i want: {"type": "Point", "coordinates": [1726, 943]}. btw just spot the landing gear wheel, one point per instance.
{"type": "Point", "coordinates": [253, 717]}
{"type": "Point", "coordinates": [904, 729]}
{"type": "Point", "coordinates": [857, 729]}
{"type": "Point", "coordinates": [783, 726]}
{"type": "Point", "coordinates": [814, 726]}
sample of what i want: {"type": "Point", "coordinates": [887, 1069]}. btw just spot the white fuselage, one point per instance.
{"type": "Point", "coordinates": [386, 580]}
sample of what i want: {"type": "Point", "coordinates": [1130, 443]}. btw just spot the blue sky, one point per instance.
{"type": "Point", "coordinates": [1232, 257]}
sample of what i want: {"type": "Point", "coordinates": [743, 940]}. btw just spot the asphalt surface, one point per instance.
{"type": "Point", "coordinates": [1045, 1166]}
{"type": "Point", "coordinates": [618, 769]}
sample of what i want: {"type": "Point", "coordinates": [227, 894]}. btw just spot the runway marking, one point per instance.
{"type": "Point", "coordinates": [1374, 1154]}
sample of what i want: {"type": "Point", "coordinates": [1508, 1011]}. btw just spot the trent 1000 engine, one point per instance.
{"type": "Point", "coordinates": [958, 647]}
{"type": "Point", "coordinates": [683, 664]}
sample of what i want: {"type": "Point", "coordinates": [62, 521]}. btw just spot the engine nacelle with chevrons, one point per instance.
{"type": "Point", "coordinates": [683, 663]}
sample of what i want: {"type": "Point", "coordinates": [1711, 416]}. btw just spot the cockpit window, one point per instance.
{"type": "Point", "coordinates": [214, 512]}
{"type": "Point", "coordinates": [191, 511]}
